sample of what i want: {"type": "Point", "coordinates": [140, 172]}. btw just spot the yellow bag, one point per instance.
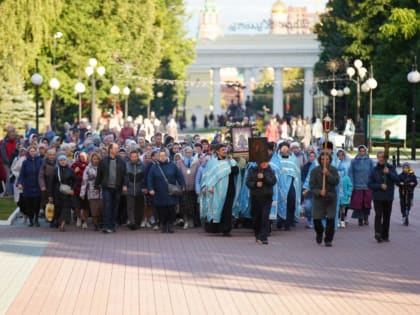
{"type": "Point", "coordinates": [49, 212]}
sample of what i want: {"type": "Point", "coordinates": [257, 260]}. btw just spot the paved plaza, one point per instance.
{"type": "Point", "coordinates": [44, 271]}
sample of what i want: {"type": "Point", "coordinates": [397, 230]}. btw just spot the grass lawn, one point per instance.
{"type": "Point", "coordinates": [7, 206]}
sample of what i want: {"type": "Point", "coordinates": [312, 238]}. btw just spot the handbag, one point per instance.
{"type": "Point", "coordinates": [173, 190]}
{"type": "Point", "coordinates": [49, 212]}
{"type": "Point", "coordinates": [64, 188]}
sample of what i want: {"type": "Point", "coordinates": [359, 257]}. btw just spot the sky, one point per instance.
{"type": "Point", "coordinates": [243, 11]}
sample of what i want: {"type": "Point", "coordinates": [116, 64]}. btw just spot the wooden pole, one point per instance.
{"type": "Point", "coordinates": [327, 127]}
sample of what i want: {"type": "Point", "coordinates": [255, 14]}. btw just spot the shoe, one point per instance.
{"type": "Point", "coordinates": [108, 231]}
{"type": "Point", "coordinates": [156, 228]}
{"type": "Point", "coordinates": [342, 224]}
{"type": "Point", "coordinates": [258, 241]}
{"type": "Point", "coordinates": [386, 240]}
{"type": "Point", "coordinates": [406, 221]}
{"type": "Point", "coordinates": [79, 223]}
{"type": "Point", "coordinates": [319, 238]}
{"type": "Point", "coordinates": [328, 244]}
{"type": "Point", "coordinates": [170, 228]}
{"type": "Point", "coordinates": [37, 223]}
{"type": "Point", "coordinates": [360, 222]}
{"type": "Point", "coordinates": [265, 242]}
{"type": "Point", "coordinates": [148, 225]}
{"type": "Point", "coordinates": [84, 225]}
{"type": "Point", "coordinates": [185, 225]}
{"type": "Point", "coordinates": [143, 223]}
{"type": "Point", "coordinates": [31, 224]}
{"type": "Point", "coordinates": [378, 238]}
{"type": "Point", "coordinates": [227, 234]}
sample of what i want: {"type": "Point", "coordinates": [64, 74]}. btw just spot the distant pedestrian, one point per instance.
{"type": "Point", "coordinates": [194, 121]}
{"type": "Point", "coordinates": [407, 181]}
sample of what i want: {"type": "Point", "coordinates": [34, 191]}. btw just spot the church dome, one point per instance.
{"type": "Point", "coordinates": [279, 7]}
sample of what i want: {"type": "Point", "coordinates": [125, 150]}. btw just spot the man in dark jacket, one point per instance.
{"type": "Point", "coordinates": [110, 177]}
{"type": "Point", "coordinates": [382, 180]}
{"type": "Point", "coordinates": [260, 182]}
{"type": "Point", "coordinates": [136, 188]}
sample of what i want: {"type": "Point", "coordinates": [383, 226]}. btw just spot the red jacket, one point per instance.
{"type": "Point", "coordinates": [79, 174]}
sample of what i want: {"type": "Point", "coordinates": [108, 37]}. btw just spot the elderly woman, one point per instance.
{"type": "Point", "coordinates": [188, 203]}
{"type": "Point", "coordinates": [62, 190]}
{"type": "Point", "coordinates": [361, 198]}
{"type": "Point", "coordinates": [324, 197]}
{"type": "Point", "coordinates": [87, 190]}
{"type": "Point", "coordinates": [28, 182]}
{"type": "Point", "coordinates": [46, 175]}
{"type": "Point", "coordinates": [158, 177]}
{"type": "Point", "coordinates": [81, 206]}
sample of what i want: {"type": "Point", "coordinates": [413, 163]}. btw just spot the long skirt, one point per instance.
{"type": "Point", "coordinates": [361, 203]}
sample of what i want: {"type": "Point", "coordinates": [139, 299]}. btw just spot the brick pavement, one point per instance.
{"type": "Point", "coordinates": [190, 272]}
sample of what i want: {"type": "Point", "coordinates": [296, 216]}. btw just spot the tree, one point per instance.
{"type": "Point", "coordinates": [131, 39]}
{"type": "Point", "coordinates": [384, 33]}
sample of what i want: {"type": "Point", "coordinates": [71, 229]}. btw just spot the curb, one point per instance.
{"type": "Point", "coordinates": [11, 218]}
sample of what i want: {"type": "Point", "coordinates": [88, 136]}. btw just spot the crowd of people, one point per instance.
{"type": "Point", "coordinates": [115, 177]}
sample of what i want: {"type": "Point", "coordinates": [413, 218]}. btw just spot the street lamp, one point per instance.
{"type": "Point", "coordinates": [54, 85]}
{"type": "Point", "coordinates": [413, 77]}
{"type": "Point", "coordinates": [361, 73]}
{"type": "Point", "coordinates": [333, 66]}
{"type": "Point", "coordinates": [36, 80]}
{"type": "Point", "coordinates": [369, 85]}
{"type": "Point", "coordinates": [126, 91]}
{"type": "Point", "coordinates": [115, 90]}
{"type": "Point", "coordinates": [90, 72]}
{"type": "Point", "coordinates": [80, 88]}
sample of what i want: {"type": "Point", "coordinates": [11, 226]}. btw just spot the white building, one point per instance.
{"type": "Point", "coordinates": [288, 43]}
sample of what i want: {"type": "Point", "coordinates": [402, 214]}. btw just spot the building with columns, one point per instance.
{"type": "Point", "coordinates": [288, 43]}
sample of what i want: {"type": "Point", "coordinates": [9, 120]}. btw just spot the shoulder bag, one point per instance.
{"type": "Point", "coordinates": [63, 188]}
{"type": "Point", "coordinates": [173, 190]}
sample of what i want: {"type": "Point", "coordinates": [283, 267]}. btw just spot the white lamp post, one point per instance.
{"type": "Point", "coordinates": [37, 80]}
{"type": "Point", "coordinates": [126, 91]}
{"type": "Point", "coordinates": [413, 77]}
{"type": "Point", "coordinates": [361, 73]}
{"type": "Point", "coordinates": [369, 85]}
{"type": "Point", "coordinates": [80, 88]}
{"type": "Point", "coordinates": [54, 85]}
{"type": "Point", "coordinates": [115, 90]}
{"type": "Point", "coordinates": [90, 72]}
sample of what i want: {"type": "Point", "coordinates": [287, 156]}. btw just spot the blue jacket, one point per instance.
{"type": "Point", "coordinates": [156, 182]}
{"type": "Point", "coordinates": [359, 170]}
{"type": "Point", "coordinates": [345, 190]}
{"type": "Point", "coordinates": [377, 178]}
{"type": "Point", "coordinates": [28, 176]}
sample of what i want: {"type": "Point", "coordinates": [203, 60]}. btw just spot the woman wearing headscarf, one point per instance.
{"type": "Point", "coordinates": [361, 198]}
{"type": "Point", "coordinates": [28, 182]}
{"type": "Point", "coordinates": [61, 197]}
{"type": "Point", "coordinates": [87, 190]}
{"type": "Point", "coordinates": [160, 173]}
{"type": "Point", "coordinates": [188, 202]}
{"type": "Point", "coordinates": [323, 181]}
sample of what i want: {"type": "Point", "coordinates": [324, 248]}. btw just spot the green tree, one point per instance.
{"type": "Point", "coordinates": [383, 33]}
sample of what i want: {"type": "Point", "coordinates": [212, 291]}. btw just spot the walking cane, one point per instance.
{"type": "Point", "coordinates": [327, 127]}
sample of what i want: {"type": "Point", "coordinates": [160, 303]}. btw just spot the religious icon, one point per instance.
{"type": "Point", "coordinates": [240, 139]}
{"type": "Point", "coordinates": [258, 149]}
